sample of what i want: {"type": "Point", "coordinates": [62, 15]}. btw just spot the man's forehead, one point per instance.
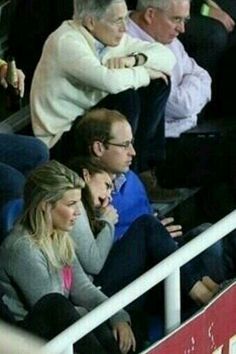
{"type": "Point", "coordinates": [121, 130]}
{"type": "Point", "coordinates": [179, 6]}
{"type": "Point", "coordinates": [115, 5]}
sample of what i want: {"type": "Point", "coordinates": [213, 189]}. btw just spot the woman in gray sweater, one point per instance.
{"type": "Point", "coordinates": [38, 257]}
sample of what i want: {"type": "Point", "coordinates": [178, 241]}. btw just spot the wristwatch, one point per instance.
{"type": "Point", "coordinates": [136, 56]}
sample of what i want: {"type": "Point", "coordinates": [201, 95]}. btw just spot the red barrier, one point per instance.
{"type": "Point", "coordinates": [211, 331]}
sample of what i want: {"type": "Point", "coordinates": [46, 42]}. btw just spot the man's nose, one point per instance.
{"type": "Point", "coordinates": [132, 151]}
{"type": "Point", "coordinates": [123, 26]}
{"type": "Point", "coordinates": [181, 27]}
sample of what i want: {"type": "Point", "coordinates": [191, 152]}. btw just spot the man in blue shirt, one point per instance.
{"type": "Point", "coordinates": [107, 136]}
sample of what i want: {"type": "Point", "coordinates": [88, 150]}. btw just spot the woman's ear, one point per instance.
{"type": "Point", "coordinates": [86, 175]}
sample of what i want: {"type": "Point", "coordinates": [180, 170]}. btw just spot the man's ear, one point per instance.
{"type": "Point", "coordinates": [89, 23]}
{"type": "Point", "coordinates": [98, 148]}
{"type": "Point", "coordinates": [149, 15]}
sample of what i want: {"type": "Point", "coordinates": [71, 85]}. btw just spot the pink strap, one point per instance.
{"type": "Point", "coordinates": [67, 277]}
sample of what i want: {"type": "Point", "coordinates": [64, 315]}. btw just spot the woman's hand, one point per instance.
{"type": "Point", "coordinates": [110, 213]}
{"type": "Point", "coordinates": [20, 84]}
{"type": "Point", "coordinates": [124, 336]}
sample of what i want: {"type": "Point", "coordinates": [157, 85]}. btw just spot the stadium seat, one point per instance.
{"type": "Point", "coordinates": [8, 215]}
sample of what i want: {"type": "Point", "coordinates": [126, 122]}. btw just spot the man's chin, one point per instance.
{"type": "Point", "coordinates": [118, 171]}
{"type": "Point", "coordinates": [125, 169]}
{"type": "Point", "coordinates": [115, 43]}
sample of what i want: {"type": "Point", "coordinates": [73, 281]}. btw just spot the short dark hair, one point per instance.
{"type": "Point", "coordinates": [94, 126]}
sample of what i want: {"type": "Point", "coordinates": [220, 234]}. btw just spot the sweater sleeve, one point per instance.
{"type": "Point", "coordinates": [84, 68]}
{"type": "Point", "coordinates": [84, 293]}
{"type": "Point", "coordinates": [92, 252]}
{"type": "Point", "coordinates": [159, 56]}
{"type": "Point", "coordinates": [78, 61]}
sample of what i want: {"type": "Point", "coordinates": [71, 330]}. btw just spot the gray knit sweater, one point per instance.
{"type": "Point", "coordinates": [26, 276]}
{"type": "Point", "coordinates": [92, 252]}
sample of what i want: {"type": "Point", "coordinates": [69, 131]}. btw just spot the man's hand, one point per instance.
{"type": "Point", "coordinates": [218, 14]}
{"type": "Point", "coordinates": [156, 74]}
{"type": "Point", "coordinates": [120, 63]}
{"type": "Point", "coordinates": [124, 336]}
{"type": "Point", "coordinates": [20, 84]}
{"type": "Point", "coordinates": [174, 230]}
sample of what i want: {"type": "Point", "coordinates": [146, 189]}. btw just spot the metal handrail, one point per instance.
{"type": "Point", "coordinates": [168, 268]}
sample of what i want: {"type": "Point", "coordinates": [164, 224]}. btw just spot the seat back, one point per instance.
{"type": "Point", "coordinates": [9, 213]}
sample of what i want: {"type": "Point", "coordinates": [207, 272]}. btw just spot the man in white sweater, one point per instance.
{"type": "Point", "coordinates": [90, 61]}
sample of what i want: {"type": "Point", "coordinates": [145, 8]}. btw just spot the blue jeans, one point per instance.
{"type": "Point", "coordinates": [18, 156]}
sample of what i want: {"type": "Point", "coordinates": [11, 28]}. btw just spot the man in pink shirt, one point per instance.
{"type": "Point", "coordinates": [192, 161]}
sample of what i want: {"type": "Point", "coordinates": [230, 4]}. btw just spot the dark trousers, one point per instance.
{"type": "Point", "coordinates": [145, 244]}
{"type": "Point", "coordinates": [210, 44]}
{"type": "Point", "coordinates": [211, 260]}
{"type": "Point", "coordinates": [144, 109]}
{"type": "Point", "coordinates": [205, 40]}
{"type": "Point", "coordinates": [53, 313]}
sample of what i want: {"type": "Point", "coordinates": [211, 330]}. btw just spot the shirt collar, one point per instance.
{"type": "Point", "coordinates": [100, 48]}
{"type": "Point", "coordinates": [119, 182]}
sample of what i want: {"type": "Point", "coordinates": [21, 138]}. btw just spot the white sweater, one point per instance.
{"type": "Point", "coordinates": [70, 78]}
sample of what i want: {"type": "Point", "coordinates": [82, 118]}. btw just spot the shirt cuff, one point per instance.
{"type": "Point", "coordinates": [205, 9]}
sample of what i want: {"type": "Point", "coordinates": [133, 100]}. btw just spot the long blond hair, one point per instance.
{"type": "Point", "coordinates": [46, 185]}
